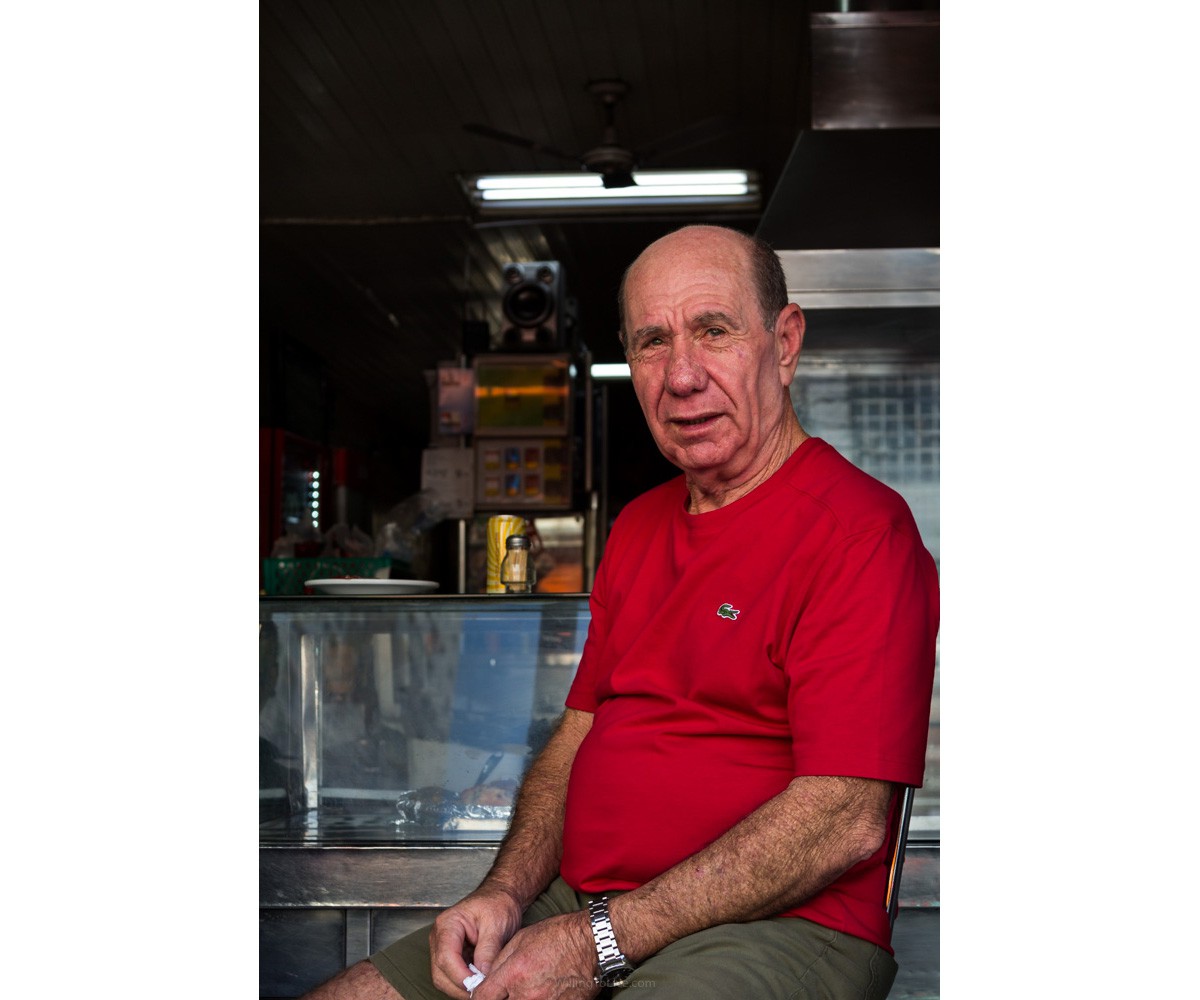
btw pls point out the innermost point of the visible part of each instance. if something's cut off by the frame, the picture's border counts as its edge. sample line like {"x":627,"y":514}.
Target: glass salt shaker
{"x":516,"y":572}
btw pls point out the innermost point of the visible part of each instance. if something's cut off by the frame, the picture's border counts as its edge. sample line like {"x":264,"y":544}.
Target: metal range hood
{"x":866,"y":174}
{"x":902,"y":278}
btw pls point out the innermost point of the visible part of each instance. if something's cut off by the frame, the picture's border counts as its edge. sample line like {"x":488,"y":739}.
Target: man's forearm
{"x":530,"y":854}
{"x":781,"y":854}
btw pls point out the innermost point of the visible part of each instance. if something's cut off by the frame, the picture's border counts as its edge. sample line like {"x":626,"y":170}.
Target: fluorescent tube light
{"x":653,"y":190}
{"x":607,"y":371}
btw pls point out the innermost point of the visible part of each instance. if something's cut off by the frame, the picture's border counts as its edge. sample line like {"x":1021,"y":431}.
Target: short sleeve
{"x":860,"y":662}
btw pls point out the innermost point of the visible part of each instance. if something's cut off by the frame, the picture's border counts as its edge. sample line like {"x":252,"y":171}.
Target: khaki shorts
{"x":785,"y":957}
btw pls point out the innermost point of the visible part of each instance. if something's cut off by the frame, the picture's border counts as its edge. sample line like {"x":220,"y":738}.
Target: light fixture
{"x":499,"y":195}
{"x":609,"y":372}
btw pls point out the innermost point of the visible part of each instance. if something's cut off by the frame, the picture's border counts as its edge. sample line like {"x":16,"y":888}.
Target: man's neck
{"x":711,"y":493}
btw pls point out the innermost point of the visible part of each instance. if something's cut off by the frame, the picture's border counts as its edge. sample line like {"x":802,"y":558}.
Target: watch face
{"x":615,"y":976}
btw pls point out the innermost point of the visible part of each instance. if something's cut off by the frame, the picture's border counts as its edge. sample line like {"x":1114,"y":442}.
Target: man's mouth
{"x":694,"y":421}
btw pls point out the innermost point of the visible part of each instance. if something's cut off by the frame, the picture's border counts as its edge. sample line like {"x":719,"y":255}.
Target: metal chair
{"x":896,"y":863}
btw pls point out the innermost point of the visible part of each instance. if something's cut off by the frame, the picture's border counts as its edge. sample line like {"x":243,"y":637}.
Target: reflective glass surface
{"x":406,"y":719}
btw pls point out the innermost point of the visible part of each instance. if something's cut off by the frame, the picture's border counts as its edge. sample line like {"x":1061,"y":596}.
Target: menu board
{"x":514,"y":473}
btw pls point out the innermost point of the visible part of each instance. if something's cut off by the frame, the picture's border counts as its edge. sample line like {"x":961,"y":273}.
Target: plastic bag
{"x":404,"y":536}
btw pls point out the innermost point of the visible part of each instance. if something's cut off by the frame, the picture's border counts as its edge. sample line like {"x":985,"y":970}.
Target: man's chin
{"x":700,"y":459}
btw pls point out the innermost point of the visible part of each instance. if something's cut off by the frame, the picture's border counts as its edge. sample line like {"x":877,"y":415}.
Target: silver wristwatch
{"x":613,"y":968}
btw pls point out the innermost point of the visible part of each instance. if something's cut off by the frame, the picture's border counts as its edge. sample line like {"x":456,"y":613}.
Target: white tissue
{"x":472,"y":981}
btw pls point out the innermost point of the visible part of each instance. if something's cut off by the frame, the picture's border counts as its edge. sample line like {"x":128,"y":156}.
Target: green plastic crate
{"x":282,"y":577}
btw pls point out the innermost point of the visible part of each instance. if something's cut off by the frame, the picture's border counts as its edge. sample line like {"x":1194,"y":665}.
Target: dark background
{"x":370,"y":262}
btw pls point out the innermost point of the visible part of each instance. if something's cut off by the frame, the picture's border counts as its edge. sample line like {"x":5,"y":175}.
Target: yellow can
{"x":498,"y":530}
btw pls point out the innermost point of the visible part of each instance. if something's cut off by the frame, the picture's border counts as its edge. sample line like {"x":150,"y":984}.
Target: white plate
{"x":368,"y":587}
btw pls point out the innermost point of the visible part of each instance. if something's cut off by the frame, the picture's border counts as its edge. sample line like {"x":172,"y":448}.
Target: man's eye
{"x":714,"y":331}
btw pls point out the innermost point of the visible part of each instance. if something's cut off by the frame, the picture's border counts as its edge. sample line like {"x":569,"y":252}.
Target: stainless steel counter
{"x":324,"y":908}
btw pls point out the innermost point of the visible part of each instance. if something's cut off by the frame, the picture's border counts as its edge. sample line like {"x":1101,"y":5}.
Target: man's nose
{"x":685,"y":373}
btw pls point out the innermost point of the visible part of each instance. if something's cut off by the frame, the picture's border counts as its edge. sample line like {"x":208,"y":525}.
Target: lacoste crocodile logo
{"x":728,"y":611}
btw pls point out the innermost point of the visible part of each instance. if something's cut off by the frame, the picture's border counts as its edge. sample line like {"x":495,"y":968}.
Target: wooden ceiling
{"x":370,"y":261}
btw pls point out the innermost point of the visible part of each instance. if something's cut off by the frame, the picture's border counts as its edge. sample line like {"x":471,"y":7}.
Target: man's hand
{"x":476,"y":927}
{"x":553,"y":959}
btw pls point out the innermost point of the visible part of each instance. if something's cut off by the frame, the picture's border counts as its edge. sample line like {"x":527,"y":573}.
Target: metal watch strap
{"x":607,"y":951}
{"x":602,"y":931}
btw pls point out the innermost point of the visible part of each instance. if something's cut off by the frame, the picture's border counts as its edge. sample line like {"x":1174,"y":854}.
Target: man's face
{"x":706,"y":372}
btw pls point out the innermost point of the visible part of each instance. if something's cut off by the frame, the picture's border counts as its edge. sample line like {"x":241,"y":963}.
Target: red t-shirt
{"x":789,"y":633}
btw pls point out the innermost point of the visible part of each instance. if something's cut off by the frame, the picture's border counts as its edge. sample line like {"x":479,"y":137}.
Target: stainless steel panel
{"x":298,"y":950}
{"x":396,"y":922}
{"x":849,"y":279}
{"x":358,"y":936}
{"x":368,"y":876}
{"x":921,"y":881}
{"x":916,"y":939}
{"x":437,"y":877}
{"x":875,"y":69}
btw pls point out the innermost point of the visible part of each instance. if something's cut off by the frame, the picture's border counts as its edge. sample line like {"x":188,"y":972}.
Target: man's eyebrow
{"x":713,"y":318}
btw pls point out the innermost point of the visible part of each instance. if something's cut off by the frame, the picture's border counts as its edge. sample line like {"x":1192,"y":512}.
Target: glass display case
{"x":393,"y":733}
{"x":405,"y":720}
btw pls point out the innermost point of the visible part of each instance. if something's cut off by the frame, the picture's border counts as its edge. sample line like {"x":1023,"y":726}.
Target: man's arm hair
{"x":784,"y":852}
{"x":531,"y":851}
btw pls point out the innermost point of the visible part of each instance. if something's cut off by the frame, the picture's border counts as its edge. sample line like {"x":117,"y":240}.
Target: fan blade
{"x":689,"y":137}
{"x":494,"y":133}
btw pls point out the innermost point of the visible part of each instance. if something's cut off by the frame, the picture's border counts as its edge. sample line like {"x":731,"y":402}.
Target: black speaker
{"x":534,"y":307}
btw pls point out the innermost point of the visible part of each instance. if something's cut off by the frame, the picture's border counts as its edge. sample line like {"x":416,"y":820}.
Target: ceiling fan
{"x":613,"y":162}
